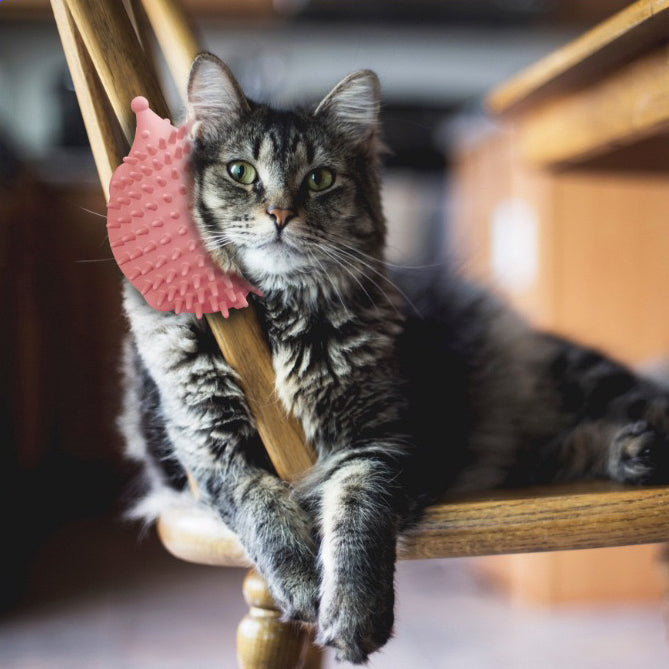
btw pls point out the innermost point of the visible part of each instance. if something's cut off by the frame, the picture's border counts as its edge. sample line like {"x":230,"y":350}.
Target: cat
{"x":399,"y":407}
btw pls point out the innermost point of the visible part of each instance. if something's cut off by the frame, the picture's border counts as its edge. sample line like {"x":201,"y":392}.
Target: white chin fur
{"x":275,"y":260}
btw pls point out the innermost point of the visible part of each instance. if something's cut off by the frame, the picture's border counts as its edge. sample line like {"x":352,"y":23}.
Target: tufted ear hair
{"x":214,"y":96}
{"x":353,"y":105}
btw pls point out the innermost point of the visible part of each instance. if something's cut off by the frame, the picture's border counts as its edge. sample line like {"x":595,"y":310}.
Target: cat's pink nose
{"x":280,"y":217}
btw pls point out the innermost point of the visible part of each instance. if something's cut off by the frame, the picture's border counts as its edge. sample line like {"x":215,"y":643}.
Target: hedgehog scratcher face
{"x":151,"y":230}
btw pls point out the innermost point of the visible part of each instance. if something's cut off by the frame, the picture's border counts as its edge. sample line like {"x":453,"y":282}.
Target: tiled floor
{"x":100,"y":600}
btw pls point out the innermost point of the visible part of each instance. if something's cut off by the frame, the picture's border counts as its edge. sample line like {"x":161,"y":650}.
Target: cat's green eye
{"x":242,"y":172}
{"x":320,"y":179}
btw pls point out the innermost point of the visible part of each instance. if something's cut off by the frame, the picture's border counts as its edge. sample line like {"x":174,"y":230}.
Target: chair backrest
{"x":109,"y":67}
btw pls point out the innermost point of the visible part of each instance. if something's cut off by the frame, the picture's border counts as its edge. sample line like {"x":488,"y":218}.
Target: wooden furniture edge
{"x":584,"y":59}
{"x":625,"y":106}
{"x":192,"y":535}
{"x":176,"y":36}
{"x":107,"y":142}
{"x":492,"y":523}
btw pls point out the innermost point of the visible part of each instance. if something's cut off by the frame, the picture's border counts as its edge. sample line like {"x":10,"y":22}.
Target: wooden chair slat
{"x":567,"y":517}
{"x":101,"y":37}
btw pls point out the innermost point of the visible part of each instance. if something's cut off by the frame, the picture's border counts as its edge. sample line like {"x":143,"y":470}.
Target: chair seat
{"x":584,"y":515}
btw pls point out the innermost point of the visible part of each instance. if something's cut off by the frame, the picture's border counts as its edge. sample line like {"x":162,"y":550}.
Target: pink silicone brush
{"x":151,"y":231}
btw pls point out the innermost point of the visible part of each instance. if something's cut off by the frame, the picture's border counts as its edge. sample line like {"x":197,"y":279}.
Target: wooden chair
{"x":109,"y":66}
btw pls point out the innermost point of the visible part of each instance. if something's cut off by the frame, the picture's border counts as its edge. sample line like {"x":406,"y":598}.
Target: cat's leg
{"x":623,"y":427}
{"x":635,"y":452}
{"x":639,"y":453}
{"x":274,"y":530}
{"x":213,"y":436}
{"x":358,"y":524}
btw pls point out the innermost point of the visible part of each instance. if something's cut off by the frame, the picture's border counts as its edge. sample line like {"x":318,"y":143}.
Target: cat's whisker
{"x":213,"y":246}
{"x":388,"y":280}
{"x":382,"y":275}
{"x":214,"y":242}
{"x":342,"y":242}
{"x":90,"y":211}
{"x":323,"y":236}
{"x":216,"y":235}
{"x":392,"y":303}
{"x":381,"y":261}
{"x":344,"y":260}
{"x":335,"y":288}
{"x":340,"y":263}
{"x":329,"y":278}
{"x":347,"y":266}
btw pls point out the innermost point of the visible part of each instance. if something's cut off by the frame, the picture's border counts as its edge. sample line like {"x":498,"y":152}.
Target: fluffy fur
{"x":398,"y":409}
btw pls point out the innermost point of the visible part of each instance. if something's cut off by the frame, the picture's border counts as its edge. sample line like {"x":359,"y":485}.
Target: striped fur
{"x":399,"y":409}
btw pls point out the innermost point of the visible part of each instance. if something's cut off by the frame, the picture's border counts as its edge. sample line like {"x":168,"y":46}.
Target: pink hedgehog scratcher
{"x":151,"y":231}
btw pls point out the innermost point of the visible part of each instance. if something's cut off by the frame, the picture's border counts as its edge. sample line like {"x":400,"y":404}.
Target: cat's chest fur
{"x":308,"y":355}
{"x":322,"y":353}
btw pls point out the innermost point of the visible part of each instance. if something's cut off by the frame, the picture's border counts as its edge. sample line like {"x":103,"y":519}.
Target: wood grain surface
{"x":264,"y":640}
{"x":603,"y":92}
{"x":118,"y":58}
{"x":628,"y":105}
{"x":178,"y":41}
{"x":593,"y":515}
{"x":564,"y":518}
{"x":638,"y":28}
{"x":107,"y":141}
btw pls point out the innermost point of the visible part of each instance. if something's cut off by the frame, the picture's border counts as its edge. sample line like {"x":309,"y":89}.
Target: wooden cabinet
{"x":592,"y":245}
{"x":566,"y":213}
{"x":599,"y":274}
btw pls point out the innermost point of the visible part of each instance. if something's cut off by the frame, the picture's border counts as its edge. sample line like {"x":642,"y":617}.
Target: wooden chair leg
{"x":264,"y":641}
{"x":313,"y":654}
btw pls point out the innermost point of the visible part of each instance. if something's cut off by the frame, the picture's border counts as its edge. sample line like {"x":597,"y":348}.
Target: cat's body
{"x":397,"y":410}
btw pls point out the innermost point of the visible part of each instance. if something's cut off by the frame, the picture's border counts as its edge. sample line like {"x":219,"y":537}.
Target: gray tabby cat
{"x":398,"y":409}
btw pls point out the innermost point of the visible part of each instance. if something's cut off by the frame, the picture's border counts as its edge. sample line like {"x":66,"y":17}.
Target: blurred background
{"x":83,"y":588}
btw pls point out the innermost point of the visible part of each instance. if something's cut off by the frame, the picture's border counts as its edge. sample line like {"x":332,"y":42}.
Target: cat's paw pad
{"x":640,"y":454}
{"x":354,"y":635}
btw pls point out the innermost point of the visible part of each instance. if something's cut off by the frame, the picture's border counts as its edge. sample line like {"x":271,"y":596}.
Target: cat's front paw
{"x":640,"y":455}
{"x":296,"y":594}
{"x":356,"y":628}
{"x":292,"y":578}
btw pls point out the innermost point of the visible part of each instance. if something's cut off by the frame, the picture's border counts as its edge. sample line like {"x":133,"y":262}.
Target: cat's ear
{"x":214,"y":96}
{"x":353,"y":105}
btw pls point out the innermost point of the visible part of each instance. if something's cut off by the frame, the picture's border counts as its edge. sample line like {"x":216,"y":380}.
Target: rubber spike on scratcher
{"x":151,"y":231}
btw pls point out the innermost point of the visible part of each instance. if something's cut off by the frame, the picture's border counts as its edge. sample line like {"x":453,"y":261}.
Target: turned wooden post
{"x":264,"y":641}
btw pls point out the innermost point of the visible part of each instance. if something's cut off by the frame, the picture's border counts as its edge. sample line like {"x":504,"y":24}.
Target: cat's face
{"x":285,"y":193}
